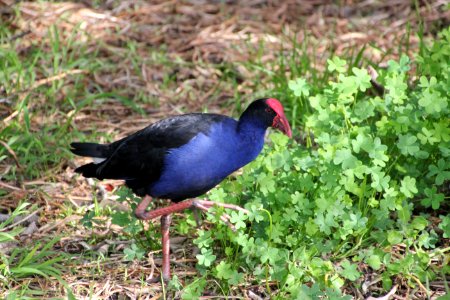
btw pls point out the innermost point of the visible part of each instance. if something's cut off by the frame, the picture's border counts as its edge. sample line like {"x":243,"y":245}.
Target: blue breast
{"x":206,"y":160}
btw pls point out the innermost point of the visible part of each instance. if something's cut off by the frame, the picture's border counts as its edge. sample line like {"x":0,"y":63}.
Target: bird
{"x":182,"y":157}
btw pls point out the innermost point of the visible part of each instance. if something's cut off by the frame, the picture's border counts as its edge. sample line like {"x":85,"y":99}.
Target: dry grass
{"x":203,"y":34}
{"x":193,"y":41}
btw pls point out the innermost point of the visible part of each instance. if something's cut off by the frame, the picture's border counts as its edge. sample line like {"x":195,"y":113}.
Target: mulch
{"x":197,"y":37}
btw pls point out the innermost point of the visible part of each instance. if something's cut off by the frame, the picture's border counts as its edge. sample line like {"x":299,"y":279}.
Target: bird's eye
{"x":268,"y":109}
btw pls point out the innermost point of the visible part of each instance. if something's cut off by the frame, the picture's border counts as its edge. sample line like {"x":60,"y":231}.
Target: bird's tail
{"x":97,"y":151}
{"x":90,"y":149}
{"x":88,"y":170}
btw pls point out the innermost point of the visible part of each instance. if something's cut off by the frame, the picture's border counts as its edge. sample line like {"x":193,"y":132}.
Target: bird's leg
{"x":143,"y":214}
{"x":165,"y":225}
{"x":140,"y":211}
{"x":204,"y":205}
{"x":166,"y":218}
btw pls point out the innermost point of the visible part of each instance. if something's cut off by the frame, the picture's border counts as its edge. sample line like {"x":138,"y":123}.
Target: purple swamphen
{"x":183,"y":157}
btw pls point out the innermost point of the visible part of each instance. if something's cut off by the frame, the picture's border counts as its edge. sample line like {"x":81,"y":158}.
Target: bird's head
{"x":271,"y":112}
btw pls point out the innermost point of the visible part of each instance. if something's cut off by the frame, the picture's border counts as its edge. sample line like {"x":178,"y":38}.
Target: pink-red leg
{"x":165,"y":225}
{"x":143,"y":214}
{"x":166,"y":218}
{"x":204,"y":205}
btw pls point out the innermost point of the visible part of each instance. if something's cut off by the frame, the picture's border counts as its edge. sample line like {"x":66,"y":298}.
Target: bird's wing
{"x":140,"y":156}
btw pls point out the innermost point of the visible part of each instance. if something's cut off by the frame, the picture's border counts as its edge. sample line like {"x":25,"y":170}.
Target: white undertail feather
{"x":98,"y":160}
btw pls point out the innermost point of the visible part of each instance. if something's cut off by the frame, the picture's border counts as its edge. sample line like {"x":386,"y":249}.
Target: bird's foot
{"x":209,"y":204}
{"x":205,"y":205}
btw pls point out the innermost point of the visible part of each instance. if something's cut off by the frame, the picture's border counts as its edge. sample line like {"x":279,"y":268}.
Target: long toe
{"x":208,"y":203}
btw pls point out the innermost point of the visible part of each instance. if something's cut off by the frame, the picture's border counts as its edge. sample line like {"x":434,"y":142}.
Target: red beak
{"x":280,"y":122}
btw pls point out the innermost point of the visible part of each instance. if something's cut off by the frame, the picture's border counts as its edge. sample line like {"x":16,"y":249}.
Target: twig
{"x":19,"y":35}
{"x":11,"y":151}
{"x":56,"y":77}
{"x":50,"y":226}
{"x":11,"y":187}
{"x":152,"y":266}
{"x":22,"y":220}
{"x":10,"y":117}
{"x":439,"y":252}
{"x":253,"y":296}
{"x":387,"y":296}
{"x":420,"y":285}
{"x":50,"y":79}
